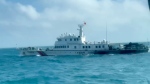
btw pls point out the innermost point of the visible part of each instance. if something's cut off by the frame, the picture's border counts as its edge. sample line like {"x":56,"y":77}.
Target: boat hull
{"x":56,"y":52}
{"x":132,"y":51}
{"x":121,"y":51}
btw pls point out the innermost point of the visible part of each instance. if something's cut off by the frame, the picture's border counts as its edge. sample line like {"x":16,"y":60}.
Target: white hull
{"x":54,"y":53}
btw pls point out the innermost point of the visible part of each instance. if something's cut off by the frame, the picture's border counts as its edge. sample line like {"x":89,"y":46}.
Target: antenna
{"x":147,"y":42}
{"x":106,"y":30}
{"x":149,"y":4}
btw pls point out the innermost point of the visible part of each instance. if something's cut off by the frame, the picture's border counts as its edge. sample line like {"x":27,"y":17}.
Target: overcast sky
{"x":40,"y":22}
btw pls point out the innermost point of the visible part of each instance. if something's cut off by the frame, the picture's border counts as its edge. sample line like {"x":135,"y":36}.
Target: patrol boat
{"x":68,"y":44}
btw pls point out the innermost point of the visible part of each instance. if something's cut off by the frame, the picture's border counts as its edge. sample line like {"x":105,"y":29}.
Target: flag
{"x":84,"y":23}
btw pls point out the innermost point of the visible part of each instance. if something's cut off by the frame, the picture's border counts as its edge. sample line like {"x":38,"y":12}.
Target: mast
{"x":149,"y":4}
{"x":81,"y":29}
{"x":106,"y":31}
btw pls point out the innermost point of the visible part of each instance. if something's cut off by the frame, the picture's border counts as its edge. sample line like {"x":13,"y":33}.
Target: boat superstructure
{"x":69,"y":44}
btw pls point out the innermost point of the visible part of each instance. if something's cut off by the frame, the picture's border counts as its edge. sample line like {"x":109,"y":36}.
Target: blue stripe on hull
{"x":42,"y":53}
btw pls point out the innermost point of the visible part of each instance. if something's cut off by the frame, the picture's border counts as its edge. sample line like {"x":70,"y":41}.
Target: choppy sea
{"x":95,"y":69}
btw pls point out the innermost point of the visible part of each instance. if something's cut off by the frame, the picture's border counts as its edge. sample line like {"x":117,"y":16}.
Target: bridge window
{"x":65,"y":39}
{"x":75,"y":47}
{"x":74,"y":39}
{"x":70,"y":39}
{"x":103,"y":46}
{"x":89,"y":46}
{"x":95,"y":46}
{"x":86,"y":47}
{"x":83,"y":46}
{"x":77,"y":39}
{"x":59,"y":39}
{"x":67,"y":46}
{"x":99,"y":46}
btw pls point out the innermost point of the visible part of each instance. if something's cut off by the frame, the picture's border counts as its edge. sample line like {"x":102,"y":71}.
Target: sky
{"x":26,"y":23}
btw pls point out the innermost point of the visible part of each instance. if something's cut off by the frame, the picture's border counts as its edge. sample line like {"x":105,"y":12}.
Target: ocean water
{"x":96,"y":69}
